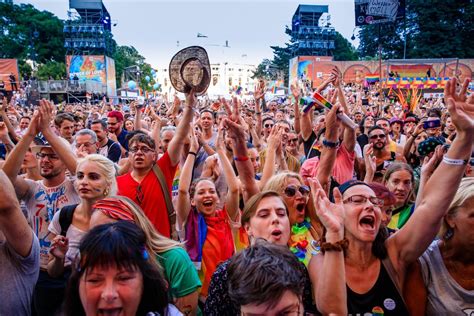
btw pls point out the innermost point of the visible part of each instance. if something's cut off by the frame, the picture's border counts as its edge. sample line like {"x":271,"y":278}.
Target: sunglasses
{"x":291,"y":190}
{"x":361,"y":199}
{"x":268,"y":125}
{"x":381,"y":136}
{"x":50,"y":156}
{"x":294,"y":140}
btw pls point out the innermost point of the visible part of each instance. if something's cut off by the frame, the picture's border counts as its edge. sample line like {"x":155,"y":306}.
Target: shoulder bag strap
{"x":169,"y":204}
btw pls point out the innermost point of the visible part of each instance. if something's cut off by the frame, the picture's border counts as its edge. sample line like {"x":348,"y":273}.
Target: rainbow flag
{"x":431,"y":83}
{"x":405,"y":83}
{"x":411,"y":71}
{"x":274,"y":89}
{"x":238,"y":90}
{"x":372,"y":78}
{"x":418,"y":83}
{"x":392,"y":83}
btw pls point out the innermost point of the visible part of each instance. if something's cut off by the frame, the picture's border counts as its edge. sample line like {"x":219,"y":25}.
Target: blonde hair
{"x":154,"y":240}
{"x":465,"y":191}
{"x":106,"y":167}
{"x":278,"y":183}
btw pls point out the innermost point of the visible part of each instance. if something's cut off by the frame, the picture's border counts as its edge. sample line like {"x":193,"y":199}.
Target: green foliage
{"x":434,"y":29}
{"x":126,"y":56}
{"x":27,"y":33}
{"x":51,"y":69}
{"x":344,"y":49}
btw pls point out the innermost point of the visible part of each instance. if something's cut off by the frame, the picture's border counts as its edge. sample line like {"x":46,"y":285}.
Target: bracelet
{"x":241,"y":158}
{"x":337,"y":246}
{"x":192,"y":153}
{"x":329,"y":144}
{"x":454,"y":162}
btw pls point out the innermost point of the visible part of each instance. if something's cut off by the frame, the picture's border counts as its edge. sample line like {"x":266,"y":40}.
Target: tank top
{"x":382,"y":299}
{"x":445,"y":295}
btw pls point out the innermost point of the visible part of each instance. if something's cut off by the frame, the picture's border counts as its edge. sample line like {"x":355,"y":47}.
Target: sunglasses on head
{"x":292,"y":189}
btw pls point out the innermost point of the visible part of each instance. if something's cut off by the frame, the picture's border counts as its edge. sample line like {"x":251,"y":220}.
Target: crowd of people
{"x":239,"y":207}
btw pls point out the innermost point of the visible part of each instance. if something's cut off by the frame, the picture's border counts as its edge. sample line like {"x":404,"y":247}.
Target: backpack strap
{"x":393,"y":276}
{"x":65,"y":217}
{"x":169,"y":204}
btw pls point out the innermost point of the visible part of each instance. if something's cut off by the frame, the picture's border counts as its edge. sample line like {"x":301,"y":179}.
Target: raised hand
{"x":193,"y":141}
{"x":331,"y":214}
{"x":220,"y":137}
{"x":369,"y":158}
{"x":295,"y":91}
{"x":46,"y":114}
{"x":429,"y":164}
{"x":460,"y":107}
{"x":274,"y":139}
{"x":59,"y":247}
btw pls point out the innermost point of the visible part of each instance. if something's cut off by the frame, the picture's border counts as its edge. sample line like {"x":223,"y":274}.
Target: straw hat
{"x":190,"y":68}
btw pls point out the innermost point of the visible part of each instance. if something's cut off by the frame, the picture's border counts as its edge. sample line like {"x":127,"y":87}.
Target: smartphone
{"x":365,"y":102}
{"x":431,"y":124}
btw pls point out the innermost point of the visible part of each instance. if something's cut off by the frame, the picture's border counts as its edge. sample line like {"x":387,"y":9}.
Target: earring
{"x":449,"y":233}
{"x":106,"y":191}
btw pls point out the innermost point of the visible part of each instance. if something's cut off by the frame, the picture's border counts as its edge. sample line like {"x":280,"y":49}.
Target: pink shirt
{"x":342,"y":171}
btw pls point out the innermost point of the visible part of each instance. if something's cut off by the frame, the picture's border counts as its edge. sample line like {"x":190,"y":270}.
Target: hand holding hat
{"x":190,"y":70}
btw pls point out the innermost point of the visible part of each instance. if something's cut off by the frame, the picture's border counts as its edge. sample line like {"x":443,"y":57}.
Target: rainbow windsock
{"x":239,"y":90}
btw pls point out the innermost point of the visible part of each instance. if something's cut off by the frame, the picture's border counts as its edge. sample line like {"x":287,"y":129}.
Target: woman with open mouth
{"x":305,"y":226}
{"x":265,"y":216}
{"x":205,"y":228}
{"x":114,"y":275}
{"x":362,"y":271}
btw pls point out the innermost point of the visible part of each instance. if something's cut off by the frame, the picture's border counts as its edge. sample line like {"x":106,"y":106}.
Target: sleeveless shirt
{"x":445,"y":295}
{"x":382,"y":299}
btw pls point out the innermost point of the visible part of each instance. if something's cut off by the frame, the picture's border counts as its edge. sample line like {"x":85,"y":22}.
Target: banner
{"x":378,"y":11}
{"x":111,"y":80}
{"x":87,"y":68}
{"x":7,"y":67}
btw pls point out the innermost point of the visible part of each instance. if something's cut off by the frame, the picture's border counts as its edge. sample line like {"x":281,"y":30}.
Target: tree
{"x":27,"y":33}
{"x":127,"y":56}
{"x":344,"y":49}
{"x":434,"y":29}
{"x":51,"y":69}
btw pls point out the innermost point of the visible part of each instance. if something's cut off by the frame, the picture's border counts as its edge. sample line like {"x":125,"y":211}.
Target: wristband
{"x":329,"y":144}
{"x":192,"y":153}
{"x":241,"y":158}
{"x":337,"y":246}
{"x":454,"y":162}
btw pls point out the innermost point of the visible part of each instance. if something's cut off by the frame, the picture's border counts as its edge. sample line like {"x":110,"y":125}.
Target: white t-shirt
{"x":42,"y":203}
{"x":74,"y":235}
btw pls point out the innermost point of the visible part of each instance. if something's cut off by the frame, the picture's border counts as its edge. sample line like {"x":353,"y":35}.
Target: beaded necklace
{"x":299,"y":240}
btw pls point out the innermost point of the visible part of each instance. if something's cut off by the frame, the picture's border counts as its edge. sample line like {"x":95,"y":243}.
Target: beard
{"x":50,"y":174}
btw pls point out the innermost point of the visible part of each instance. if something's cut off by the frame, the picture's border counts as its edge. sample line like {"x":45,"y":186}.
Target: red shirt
{"x":153,"y":201}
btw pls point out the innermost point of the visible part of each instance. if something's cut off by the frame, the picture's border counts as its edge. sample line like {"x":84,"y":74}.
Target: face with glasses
{"x":142,"y":155}
{"x":289,"y":304}
{"x":84,"y":143}
{"x":378,"y":138}
{"x":296,"y":196}
{"x":292,"y":142}
{"x":49,"y":163}
{"x":363,"y":213}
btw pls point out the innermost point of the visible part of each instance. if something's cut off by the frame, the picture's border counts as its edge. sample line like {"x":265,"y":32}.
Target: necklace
{"x":299,"y":241}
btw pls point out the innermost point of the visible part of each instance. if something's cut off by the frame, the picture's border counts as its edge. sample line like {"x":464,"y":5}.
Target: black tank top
{"x":382,"y":299}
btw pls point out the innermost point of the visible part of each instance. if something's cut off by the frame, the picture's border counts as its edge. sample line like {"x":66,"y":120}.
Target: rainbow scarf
{"x":196,"y":233}
{"x":400,"y":216}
